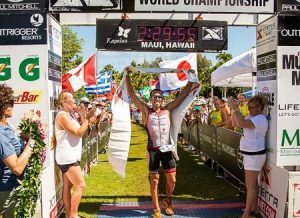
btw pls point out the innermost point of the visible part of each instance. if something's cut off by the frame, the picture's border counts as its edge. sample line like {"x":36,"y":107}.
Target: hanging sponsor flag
{"x":173,"y":81}
{"x":83,"y":74}
{"x":119,"y":141}
{"x":103,"y":83}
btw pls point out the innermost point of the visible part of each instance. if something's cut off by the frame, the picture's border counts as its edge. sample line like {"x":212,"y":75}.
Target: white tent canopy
{"x":237,"y":72}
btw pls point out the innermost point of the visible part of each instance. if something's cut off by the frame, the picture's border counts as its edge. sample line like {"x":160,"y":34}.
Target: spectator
{"x":252,"y":146}
{"x":14,"y":155}
{"x":203,"y":111}
{"x":227,"y":114}
{"x":69,"y":132}
{"x":243,"y":108}
{"x":217,"y":117}
{"x":85,"y":101}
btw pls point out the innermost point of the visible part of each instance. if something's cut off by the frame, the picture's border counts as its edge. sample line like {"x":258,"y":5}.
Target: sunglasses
{"x":157,"y":96}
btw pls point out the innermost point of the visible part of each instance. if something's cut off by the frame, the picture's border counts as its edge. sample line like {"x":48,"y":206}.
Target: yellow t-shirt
{"x":216,"y":117}
{"x":244,"y":110}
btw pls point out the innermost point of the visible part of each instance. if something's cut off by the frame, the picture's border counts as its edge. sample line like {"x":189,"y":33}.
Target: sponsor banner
{"x":269,"y":90}
{"x":266,"y":36}
{"x":54,"y":50}
{"x":288,"y":7}
{"x":227,"y":6}
{"x":8,"y":6}
{"x":294,"y":195}
{"x":288,"y":136}
{"x":222,"y":146}
{"x":289,"y":30}
{"x":23,"y":29}
{"x":161,"y":35}
{"x":272,"y":191}
{"x":266,"y":66}
{"x":90,"y":5}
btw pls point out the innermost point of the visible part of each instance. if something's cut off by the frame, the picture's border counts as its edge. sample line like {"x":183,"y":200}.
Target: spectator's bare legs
{"x":252,"y":192}
{"x":75,"y":176}
{"x":67,"y":185}
{"x":170,"y":186}
{"x":154,"y":180}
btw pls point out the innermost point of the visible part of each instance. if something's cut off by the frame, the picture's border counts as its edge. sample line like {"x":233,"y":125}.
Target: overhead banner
{"x":8,"y":6}
{"x":86,"y":5}
{"x":220,"y":6}
{"x":161,"y":35}
{"x":288,"y":7}
{"x":23,"y":29}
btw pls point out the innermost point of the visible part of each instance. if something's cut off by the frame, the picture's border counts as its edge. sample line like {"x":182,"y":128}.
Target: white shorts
{"x":254,"y":162}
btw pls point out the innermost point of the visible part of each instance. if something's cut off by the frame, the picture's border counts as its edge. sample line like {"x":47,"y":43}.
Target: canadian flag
{"x":172,"y":81}
{"x":83,"y":74}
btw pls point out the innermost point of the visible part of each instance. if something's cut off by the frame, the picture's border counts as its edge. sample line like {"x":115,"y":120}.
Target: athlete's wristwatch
{"x":31,"y":145}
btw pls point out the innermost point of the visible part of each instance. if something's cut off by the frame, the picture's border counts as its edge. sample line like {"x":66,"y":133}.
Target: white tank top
{"x":158,"y":129}
{"x":69,"y":147}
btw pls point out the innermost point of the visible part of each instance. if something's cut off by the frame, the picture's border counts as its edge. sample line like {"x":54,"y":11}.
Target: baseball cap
{"x":84,"y":100}
{"x":200,"y":102}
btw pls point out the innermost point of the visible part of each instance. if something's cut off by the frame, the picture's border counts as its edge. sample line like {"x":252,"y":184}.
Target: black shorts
{"x":167,"y":161}
{"x":64,"y":168}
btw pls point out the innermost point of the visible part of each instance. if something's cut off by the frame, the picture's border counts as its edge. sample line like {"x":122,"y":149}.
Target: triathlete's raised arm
{"x":135,"y":99}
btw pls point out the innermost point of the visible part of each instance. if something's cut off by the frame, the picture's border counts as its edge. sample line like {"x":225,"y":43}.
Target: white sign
{"x":272,"y":191}
{"x":223,"y":6}
{"x":266,"y":36}
{"x":294,"y":195}
{"x":288,"y":137}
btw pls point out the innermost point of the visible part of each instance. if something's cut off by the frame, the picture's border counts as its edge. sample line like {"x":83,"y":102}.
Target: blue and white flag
{"x":103,"y":83}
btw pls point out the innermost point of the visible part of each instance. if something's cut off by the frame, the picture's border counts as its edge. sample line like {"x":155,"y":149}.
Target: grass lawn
{"x":194,"y":180}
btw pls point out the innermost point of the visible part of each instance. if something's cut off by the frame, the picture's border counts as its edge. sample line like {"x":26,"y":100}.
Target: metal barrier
{"x":96,"y":137}
{"x":220,"y":145}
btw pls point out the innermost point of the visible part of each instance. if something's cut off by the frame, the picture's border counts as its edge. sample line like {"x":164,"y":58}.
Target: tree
{"x":72,"y":48}
{"x":204,"y":74}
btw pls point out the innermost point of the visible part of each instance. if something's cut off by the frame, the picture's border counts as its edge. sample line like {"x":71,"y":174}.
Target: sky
{"x":240,"y":39}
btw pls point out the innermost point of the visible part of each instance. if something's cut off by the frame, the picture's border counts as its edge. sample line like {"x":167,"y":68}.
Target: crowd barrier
{"x":218,"y":144}
{"x":95,"y":139}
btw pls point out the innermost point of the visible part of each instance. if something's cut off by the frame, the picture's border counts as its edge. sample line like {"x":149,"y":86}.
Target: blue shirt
{"x":10,"y":144}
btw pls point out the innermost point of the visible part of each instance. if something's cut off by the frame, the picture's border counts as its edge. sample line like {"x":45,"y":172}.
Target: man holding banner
{"x":161,"y":148}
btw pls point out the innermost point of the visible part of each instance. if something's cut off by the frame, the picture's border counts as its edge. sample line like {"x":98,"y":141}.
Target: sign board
{"x":272,"y":191}
{"x":225,"y":6}
{"x":23,"y":29}
{"x":289,"y":30}
{"x":86,"y":5}
{"x":161,"y":35}
{"x":288,"y":7}
{"x":294,"y":195}
{"x":288,"y":136}
{"x":19,"y":6}
{"x":25,"y":68}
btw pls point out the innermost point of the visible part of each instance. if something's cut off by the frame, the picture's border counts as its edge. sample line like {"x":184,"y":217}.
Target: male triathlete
{"x":157,"y":121}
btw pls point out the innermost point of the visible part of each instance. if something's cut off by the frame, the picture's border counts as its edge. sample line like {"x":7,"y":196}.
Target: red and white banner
{"x":83,"y":74}
{"x":173,"y":81}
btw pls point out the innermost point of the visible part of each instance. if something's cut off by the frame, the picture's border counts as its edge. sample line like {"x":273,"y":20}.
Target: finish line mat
{"x":199,"y":209}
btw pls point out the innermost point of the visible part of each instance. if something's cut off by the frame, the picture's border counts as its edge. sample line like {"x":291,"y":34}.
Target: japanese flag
{"x":172,"y":81}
